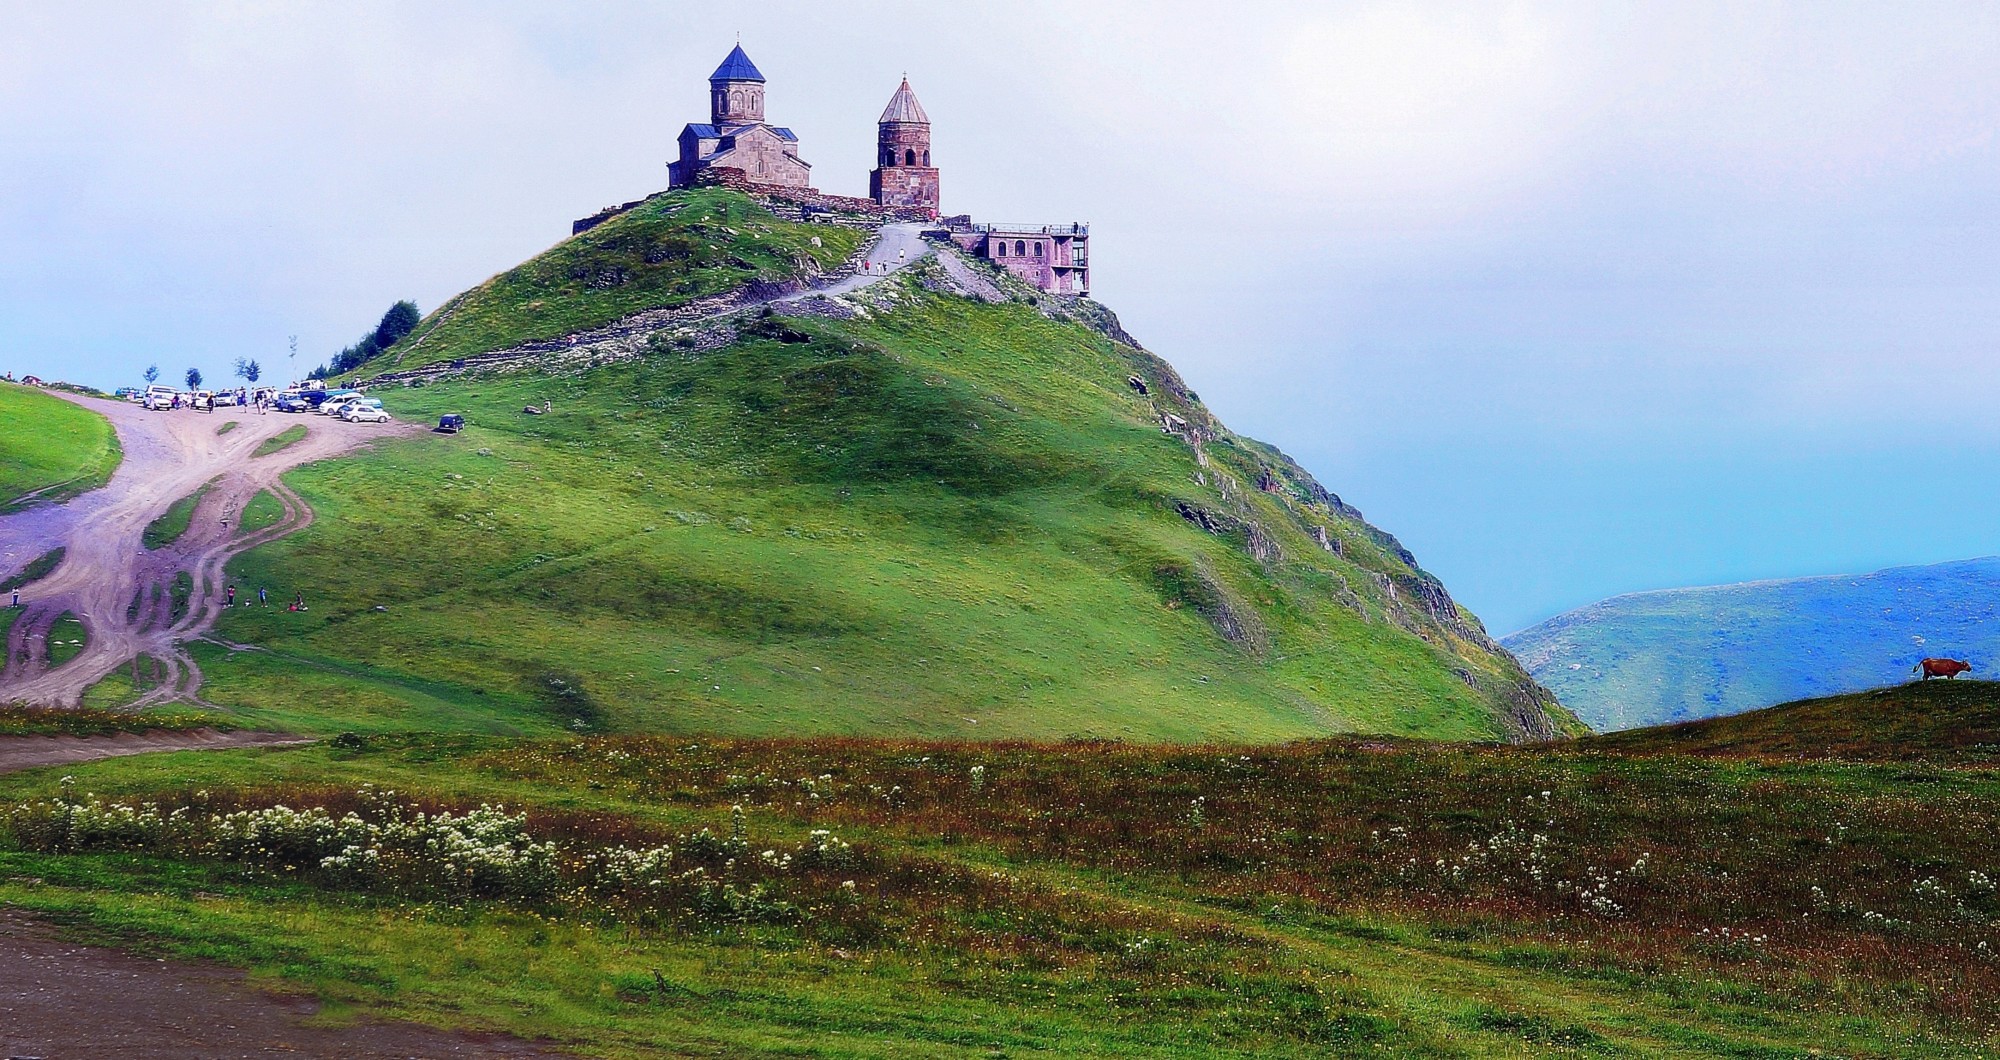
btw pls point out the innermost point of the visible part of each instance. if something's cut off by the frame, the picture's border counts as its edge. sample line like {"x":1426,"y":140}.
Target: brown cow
{"x":1946,"y":668}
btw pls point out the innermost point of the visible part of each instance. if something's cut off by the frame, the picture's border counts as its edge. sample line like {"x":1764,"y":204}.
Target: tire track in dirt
{"x":121,"y":591}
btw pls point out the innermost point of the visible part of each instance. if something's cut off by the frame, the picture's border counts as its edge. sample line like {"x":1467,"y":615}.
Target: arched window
{"x":1020,"y":248}
{"x":1003,"y":249}
{"x":927,"y":157}
{"x":909,"y":158}
{"x":1038,"y":250}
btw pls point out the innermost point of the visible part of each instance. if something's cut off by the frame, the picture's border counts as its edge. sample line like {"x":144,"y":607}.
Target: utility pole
{"x":294,"y":361}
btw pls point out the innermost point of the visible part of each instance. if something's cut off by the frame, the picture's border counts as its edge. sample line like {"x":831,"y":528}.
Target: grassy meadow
{"x":51,"y":449}
{"x":677,"y":896}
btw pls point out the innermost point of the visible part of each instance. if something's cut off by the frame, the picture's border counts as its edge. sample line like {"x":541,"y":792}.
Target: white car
{"x":359,"y":413}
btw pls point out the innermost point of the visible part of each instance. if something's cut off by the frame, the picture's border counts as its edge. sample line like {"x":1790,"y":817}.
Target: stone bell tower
{"x":903,"y":174}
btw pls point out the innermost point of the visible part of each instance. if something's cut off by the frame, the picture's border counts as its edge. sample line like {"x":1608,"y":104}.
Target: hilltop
{"x":941,"y":505}
{"x":1683,"y":654}
{"x":1954,"y":721}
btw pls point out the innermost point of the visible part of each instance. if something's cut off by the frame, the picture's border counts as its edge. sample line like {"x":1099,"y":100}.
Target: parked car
{"x":351,"y":404}
{"x":292,"y":403}
{"x":330,"y":404}
{"x":364,"y":414}
{"x":450,"y":424}
{"x":159,"y":397}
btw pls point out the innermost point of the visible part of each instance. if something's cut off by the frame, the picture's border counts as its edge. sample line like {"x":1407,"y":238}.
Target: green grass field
{"x":65,"y":639}
{"x":173,"y":522}
{"x":280,"y":440}
{"x":950,"y":520}
{"x":1088,"y":899}
{"x":263,"y":510}
{"x":51,"y":449}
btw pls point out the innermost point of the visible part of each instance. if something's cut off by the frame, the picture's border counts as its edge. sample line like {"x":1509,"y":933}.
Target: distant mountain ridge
{"x":1682,"y":654}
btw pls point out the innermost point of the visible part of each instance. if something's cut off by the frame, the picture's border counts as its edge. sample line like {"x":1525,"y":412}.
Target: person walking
{"x":17,"y":599}
{"x":232,"y":597}
{"x":263,"y":598}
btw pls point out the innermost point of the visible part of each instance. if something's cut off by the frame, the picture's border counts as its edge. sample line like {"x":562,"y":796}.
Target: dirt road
{"x":62,"y":1000}
{"x":122,"y":592}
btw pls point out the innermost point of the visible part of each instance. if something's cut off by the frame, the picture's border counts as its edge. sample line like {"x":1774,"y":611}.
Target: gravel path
{"x":118,"y":589}
{"x":63,"y":1001}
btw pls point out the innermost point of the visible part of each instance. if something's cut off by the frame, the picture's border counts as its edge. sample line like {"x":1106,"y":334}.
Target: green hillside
{"x":1683,"y":654}
{"x":50,"y":449}
{"x":911,"y":512}
{"x":670,"y":251}
{"x":1937,"y":721}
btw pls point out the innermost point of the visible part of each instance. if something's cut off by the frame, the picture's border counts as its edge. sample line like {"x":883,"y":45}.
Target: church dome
{"x":737,"y":67}
{"x":903,"y":107}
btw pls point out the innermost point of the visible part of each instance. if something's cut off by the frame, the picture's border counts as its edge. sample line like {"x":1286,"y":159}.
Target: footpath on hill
{"x":130,"y":600}
{"x":894,"y":248}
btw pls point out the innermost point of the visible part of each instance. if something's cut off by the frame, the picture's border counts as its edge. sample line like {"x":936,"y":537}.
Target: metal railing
{"x":1032,"y":230}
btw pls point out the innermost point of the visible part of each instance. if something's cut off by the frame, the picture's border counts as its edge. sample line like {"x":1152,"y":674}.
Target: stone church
{"x":736,"y":135}
{"x":736,"y":146}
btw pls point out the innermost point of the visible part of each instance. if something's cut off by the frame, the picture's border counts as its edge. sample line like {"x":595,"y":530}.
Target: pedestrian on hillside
{"x":232,"y":597}
{"x":262,"y":597}
{"x":299,"y":601}
{"x":17,"y":599}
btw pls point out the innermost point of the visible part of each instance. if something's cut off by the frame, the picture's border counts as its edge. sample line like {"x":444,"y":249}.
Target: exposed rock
{"x":1326,"y":541}
{"x":1262,"y":545}
{"x":1202,"y":517}
{"x":1137,"y":383}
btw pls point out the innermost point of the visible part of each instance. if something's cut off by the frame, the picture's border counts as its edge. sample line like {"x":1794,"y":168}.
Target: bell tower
{"x":736,"y":91}
{"x":903,"y":174}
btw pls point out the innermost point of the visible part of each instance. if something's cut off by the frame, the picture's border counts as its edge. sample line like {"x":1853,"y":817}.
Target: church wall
{"x":762,"y":158}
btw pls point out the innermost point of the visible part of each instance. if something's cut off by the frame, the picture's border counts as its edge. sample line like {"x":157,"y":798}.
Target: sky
{"x":1576,"y":299}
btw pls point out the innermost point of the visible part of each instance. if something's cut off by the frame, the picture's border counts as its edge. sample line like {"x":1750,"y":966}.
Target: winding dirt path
{"x":122,"y":592}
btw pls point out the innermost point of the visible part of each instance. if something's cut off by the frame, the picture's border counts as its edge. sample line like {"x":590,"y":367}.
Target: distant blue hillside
{"x":1681,"y":654}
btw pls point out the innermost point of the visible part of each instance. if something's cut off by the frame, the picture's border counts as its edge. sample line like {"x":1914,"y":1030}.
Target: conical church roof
{"x":903,"y":106}
{"x":737,"y":67}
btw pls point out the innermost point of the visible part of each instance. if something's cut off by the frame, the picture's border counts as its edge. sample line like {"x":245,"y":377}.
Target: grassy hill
{"x":1683,"y":654}
{"x":50,"y":448}
{"x":1930,"y":721}
{"x":1322,"y":898}
{"x":672,"y":250}
{"x":909,"y":512}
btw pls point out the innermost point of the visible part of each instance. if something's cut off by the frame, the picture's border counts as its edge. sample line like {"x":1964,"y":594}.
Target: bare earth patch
{"x":28,"y":752}
{"x":60,"y":1000}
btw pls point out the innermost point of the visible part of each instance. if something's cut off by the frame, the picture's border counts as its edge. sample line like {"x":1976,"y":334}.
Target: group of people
{"x":264,"y":599}
{"x":204,"y":402}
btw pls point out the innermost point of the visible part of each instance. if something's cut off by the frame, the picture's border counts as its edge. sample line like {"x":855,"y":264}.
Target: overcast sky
{"x":1576,"y":299}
